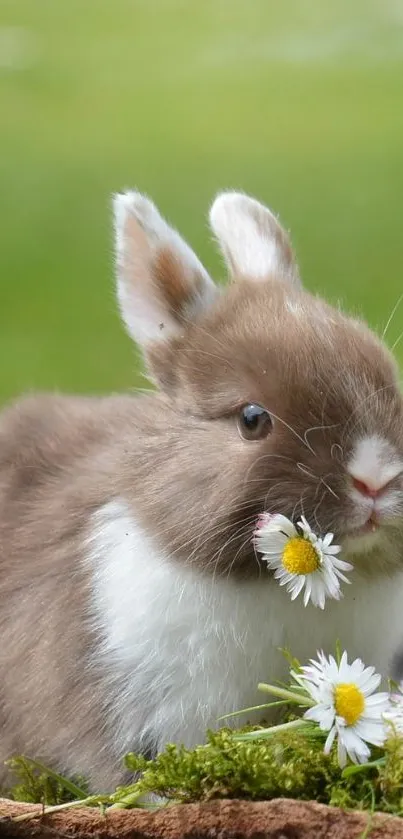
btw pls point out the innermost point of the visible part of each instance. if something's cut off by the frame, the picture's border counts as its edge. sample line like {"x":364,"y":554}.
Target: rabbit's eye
{"x":254,"y":422}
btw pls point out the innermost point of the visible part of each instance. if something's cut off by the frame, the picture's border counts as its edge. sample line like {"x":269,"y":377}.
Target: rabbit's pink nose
{"x":369,"y":490}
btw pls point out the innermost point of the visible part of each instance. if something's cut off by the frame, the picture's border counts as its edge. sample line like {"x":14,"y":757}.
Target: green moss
{"x":36,"y":783}
{"x":392,"y":775}
{"x":289,"y":764}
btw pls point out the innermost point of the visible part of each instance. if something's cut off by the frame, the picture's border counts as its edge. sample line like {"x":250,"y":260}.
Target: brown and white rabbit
{"x":133,"y":609}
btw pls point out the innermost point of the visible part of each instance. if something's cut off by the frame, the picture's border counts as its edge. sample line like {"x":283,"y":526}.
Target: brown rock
{"x":278,"y":819}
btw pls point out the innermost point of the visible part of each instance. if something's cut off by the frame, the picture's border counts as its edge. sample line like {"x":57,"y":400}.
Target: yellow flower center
{"x":299,"y":556}
{"x":349,"y":702}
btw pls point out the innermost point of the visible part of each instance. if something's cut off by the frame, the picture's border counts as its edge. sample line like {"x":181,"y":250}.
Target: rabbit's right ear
{"x":254,"y":243}
{"x":160,"y":282}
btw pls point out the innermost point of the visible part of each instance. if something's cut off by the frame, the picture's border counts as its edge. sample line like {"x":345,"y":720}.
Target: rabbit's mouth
{"x":370,"y":526}
{"x":375,"y":533}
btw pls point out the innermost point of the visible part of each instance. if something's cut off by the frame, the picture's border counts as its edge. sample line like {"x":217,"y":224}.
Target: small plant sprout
{"x":300,"y":559}
{"x":346,"y":705}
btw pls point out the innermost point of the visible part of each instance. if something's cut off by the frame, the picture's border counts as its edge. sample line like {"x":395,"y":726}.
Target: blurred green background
{"x":297,"y":102}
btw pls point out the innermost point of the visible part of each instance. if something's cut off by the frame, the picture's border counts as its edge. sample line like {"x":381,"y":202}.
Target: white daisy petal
{"x":373,"y":733}
{"x":341,"y":753}
{"x":270,"y":543}
{"x":281,"y":574}
{"x":393,"y":716}
{"x":370,"y":684}
{"x":378,"y":699}
{"x":322,"y":715}
{"x":341,"y":577}
{"x":327,"y":694}
{"x":332,"y":583}
{"x":303,"y":524}
{"x":359,"y":671}
{"x":297,"y":587}
{"x":274,"y":561}
{"x":346,"y":705}
{"x":308,"y":589}
{"x":278,"y":524}
{"x":339,"y":566}
{"x":330,"y":740}
{"x":344,"y":668}
{"x":355,"y":746}
{"x":282,"y":581}
{"x":315,"y":714}
{"x":315,"y":694}
{"x":318,"y":595}
{"x":331,"y":667}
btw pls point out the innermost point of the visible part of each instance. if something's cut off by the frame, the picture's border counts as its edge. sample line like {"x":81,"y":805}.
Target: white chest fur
{"x":180,"y":649}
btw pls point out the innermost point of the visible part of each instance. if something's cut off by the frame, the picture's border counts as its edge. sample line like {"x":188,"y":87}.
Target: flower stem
{"x":263,"y":733}
{"x":362,"y":767}
{"x":253,"y":708}
{"x":127,"y":802}
{"x":289,"y":695}
{"x":91,"y":801}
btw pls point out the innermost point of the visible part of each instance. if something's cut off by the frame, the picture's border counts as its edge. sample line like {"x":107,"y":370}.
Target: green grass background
{"x":298,"y":102}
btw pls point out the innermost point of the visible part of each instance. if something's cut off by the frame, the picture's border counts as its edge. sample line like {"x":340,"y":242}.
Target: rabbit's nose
{"x":370,"y":490}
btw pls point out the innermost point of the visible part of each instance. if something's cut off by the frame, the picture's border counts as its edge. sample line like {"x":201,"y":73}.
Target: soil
{"x":277,"y":819}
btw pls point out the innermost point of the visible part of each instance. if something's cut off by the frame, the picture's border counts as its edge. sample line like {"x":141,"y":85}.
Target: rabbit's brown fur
{"x":167,"y":480}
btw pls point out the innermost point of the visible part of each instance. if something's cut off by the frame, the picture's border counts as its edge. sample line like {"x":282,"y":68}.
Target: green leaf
{"x":349,"y":771}
{"x":254,"y":708}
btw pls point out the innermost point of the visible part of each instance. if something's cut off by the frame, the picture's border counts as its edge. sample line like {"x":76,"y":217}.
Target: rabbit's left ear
{"x":253,"y":242}
{"x":161,"y":284}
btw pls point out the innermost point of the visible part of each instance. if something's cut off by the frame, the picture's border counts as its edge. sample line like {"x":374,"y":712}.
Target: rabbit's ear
{"x":253,"y":242}
{"x":160,"y":281}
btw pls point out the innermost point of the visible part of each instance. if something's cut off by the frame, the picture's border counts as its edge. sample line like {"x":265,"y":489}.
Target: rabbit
{"x":134,"y":610}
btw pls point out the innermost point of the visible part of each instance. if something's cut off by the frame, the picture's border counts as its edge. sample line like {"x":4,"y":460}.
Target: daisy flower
{"x":300,"y":559}
{"x":346,"y":705}
{"x":394,"y":715}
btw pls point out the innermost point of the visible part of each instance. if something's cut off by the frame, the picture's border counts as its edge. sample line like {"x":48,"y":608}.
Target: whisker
{"x":290,"y":428}
{"x":319,"y":428}
{"x":221,"y":531}
{"x":305,"y":470}
{"x":263,"y":457}
{"x":393,"y":347}
{"x":359,"y":408}
{"x":391,"y":316}
{"x":237,"y":554}
{"x":317,"y":508}
{"x":332,"y":492}
{"x":215,"y":559}
{"x":300,"y":502}
{"x":279,"y":483}
{"x":336,"y":446}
